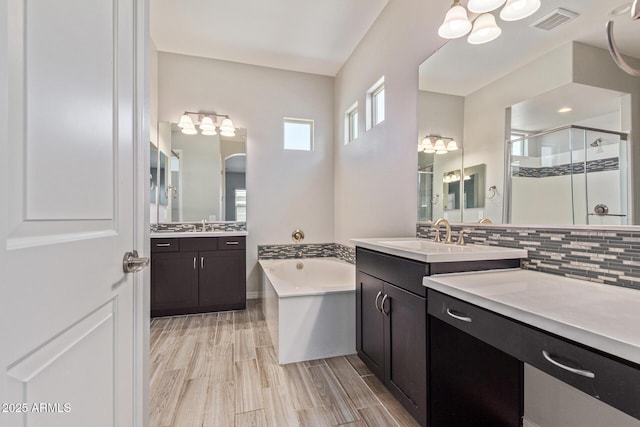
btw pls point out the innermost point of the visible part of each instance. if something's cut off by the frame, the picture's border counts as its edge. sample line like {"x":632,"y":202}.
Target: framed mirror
{"x":539,"y":111}
{"x":200,"y":177}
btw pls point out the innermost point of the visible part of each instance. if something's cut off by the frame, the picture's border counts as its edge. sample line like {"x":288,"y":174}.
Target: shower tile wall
{"x":600,"y":165}
{"x":609,"y":257}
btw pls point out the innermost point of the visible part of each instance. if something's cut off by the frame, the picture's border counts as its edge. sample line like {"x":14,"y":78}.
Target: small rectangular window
{"x":351,"y":124}
{"x":375,"y":104}
{"x":298,"y":134}
{"x":378,"y":105}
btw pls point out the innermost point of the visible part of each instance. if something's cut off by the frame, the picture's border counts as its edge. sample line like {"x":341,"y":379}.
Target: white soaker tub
{"x":309,"y":307}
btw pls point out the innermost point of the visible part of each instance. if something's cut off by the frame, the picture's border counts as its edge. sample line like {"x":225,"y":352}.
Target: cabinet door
{"x":222,"y":280}
{"x":370,"y":323}
{"x":471,"y":382}
{"x":405,"y":344}
{"x":174,"y":284}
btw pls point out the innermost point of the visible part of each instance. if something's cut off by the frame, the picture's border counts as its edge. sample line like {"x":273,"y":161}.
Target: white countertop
{"x":175,"y":234}
{"x":428,"y":251}
{"x":603,"y":317}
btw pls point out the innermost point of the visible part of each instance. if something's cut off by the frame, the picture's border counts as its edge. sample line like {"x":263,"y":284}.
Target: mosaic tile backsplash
{"x":308,"y":250}
{"x":187,"y":226}
{"x":609,"y":257}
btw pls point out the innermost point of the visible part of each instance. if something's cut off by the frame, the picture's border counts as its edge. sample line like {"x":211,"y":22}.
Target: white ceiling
{"x":308,"y":36}
{"x":459,"y":68}
{"x":541,"y":112}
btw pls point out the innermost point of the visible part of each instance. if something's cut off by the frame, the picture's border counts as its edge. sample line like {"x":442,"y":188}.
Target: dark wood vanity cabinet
{"x":391,"y":330}
{"x":476,"y":358}
{"x":197,"y":274}
{"x":392,"y":333}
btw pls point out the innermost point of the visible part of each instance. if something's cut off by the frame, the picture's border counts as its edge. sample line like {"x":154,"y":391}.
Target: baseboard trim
{"x":527,"y":423}
{"x":257,"y":295}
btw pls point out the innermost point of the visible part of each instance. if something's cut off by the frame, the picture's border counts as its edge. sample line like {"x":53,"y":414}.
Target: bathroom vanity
{"x":196,"y":272}
{"x":392,"y":332}
{"x":484,"y":326}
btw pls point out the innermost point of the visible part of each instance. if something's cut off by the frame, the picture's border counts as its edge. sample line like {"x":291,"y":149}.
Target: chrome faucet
{"x":447,"y":238}
{"x":204,"y":225}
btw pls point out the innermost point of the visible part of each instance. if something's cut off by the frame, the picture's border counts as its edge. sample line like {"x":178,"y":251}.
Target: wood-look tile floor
{"x":221,"y":369}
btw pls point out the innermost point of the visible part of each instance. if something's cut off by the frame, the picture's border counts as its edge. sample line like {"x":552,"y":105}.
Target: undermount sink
{"x":429,"y":251}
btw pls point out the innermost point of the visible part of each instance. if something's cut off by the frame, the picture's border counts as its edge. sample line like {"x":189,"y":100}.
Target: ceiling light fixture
{"x":565,"y":110}
{"x":437,"y":144}
{"x":484,"y":29}
{"x":207,"y":124}
{"x":456,"y":22}
{"x":516,"y":10}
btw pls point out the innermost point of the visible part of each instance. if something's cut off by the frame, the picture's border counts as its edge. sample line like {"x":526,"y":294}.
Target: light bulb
{"x":207,"y":125}
{"x":482,"y":6}
{"x":515,"y":10}
{"x":456,"y":23}
{"x":484,"y":30}
{"x":186,"y":122}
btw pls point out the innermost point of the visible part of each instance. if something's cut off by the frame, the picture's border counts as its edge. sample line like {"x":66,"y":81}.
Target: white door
{"x":70,"y":126}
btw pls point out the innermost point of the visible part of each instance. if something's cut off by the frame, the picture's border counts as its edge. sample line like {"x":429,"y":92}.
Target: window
{"x":520,"y":145}
{"x":298,"y":134}
{"x":378,"y":105}
{"x":241,"y":204}
{"x":351,"y":124}
{"x":375,"y":104}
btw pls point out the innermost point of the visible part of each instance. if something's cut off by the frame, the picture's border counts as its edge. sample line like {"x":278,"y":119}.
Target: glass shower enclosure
{"x":568,"y":175}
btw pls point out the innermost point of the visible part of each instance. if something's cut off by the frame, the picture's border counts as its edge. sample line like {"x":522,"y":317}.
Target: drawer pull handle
{"x":233,"y":243}
{"x":163,"y":245}
{"x":195,"y":259}
{"x":376,"y":302}
{"x":202,"y":262}
{"x":384,"y":298}
{"x":458,"y":316}
{"x":581,"y":372}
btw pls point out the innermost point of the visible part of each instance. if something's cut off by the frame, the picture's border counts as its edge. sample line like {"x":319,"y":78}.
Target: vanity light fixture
{"x":437,"y":144}
{"x":207,"y":124}
{"x":484,"y":29}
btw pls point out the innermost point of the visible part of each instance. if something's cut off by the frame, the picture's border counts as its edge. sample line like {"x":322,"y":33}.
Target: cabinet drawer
{"x":199,"y":243}
{"x":613,"y":381}
{"x":232,"y":242}
{"x":404,"y":273}
{"x":165,"y":245}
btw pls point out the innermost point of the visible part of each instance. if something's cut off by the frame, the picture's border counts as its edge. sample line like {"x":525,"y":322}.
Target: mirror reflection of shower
{"x":567,"y":175}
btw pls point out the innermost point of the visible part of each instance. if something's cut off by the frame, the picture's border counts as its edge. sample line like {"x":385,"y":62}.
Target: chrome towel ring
{"x":613,"y":49}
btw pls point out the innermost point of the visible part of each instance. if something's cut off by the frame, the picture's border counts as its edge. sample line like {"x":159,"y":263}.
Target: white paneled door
{"x":71,"y":127}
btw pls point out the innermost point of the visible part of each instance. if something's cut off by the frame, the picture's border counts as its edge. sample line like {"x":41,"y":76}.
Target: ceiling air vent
{"x":554,"y":19}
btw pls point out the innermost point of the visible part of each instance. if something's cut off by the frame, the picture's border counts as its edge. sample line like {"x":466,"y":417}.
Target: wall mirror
{"x":545,"y":115}
{"x":202,"y":177}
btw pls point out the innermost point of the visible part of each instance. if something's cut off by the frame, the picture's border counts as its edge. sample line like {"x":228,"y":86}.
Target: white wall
{"x":153,"y":93}
{"x":375,"y":175}
{"x":285,"y":189}
{"x":201,"y":175}
{"x":484,"y":128}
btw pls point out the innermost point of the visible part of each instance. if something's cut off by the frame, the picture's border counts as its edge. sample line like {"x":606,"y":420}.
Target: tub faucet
{"x":447,"y":238}
{"x":298,"y":254}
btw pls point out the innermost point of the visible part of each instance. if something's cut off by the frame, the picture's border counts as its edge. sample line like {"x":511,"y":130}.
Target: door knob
{"x":132,"y":263}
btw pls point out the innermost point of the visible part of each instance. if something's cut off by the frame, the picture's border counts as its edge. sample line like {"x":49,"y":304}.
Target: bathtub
{"x":309,"y":307}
